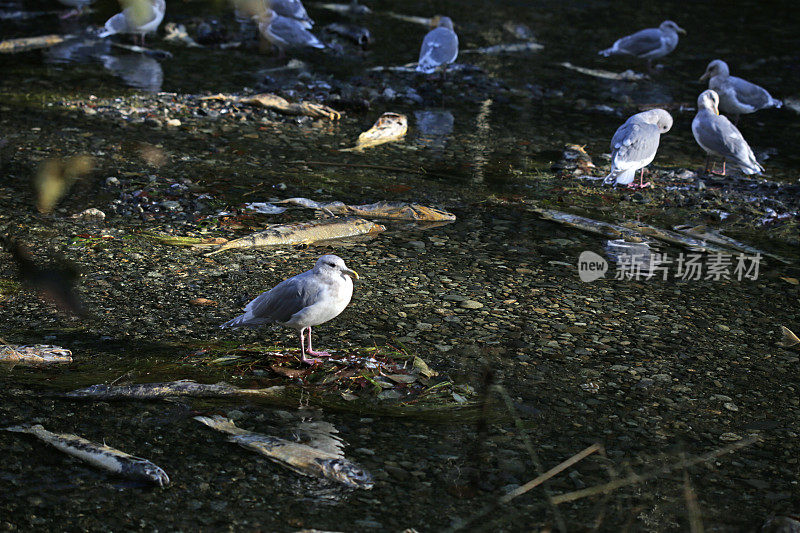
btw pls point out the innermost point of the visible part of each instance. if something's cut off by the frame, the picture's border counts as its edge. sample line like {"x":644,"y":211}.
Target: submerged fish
{"x":389,"y":127}
{"x":391,"y":210}
{"x":99,"y":455}
{"x":153,"y":391}
{"x":35,"y":354}
{"x":303,"y":233}
{"x":505,"y":48}
{"x":281,"y":105}
{"x":23,"y":44}
{"x":301,"y":458}
{"x":628,"y":75}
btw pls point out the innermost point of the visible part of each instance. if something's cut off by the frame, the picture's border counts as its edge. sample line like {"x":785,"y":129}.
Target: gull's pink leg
{"x":310,"y":350}
{"x":303,"y":352}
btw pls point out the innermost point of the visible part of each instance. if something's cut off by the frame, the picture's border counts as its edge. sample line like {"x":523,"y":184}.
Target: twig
{"x":420,"y":171}
{"x":583,"y":454}
{"x":692,"y":507}
{"x":562,"y":526}
{"x":528,"y":486}
{"x":638,"y":478}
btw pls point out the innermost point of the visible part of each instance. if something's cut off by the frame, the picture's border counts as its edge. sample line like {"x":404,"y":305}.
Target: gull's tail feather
{"x":114,"y":25}
{"x":607,"y":52}
{"x":621,"y":177}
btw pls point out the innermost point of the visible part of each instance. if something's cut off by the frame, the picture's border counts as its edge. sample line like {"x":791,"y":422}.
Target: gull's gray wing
{"x":285,"y":299}
{"x":290,"y":8}
{"x":634,"y":143}
{"x":750,"y":94}
{"x":717,"y":134}
{"x":640,"y":43}
{"x":293,"y":33}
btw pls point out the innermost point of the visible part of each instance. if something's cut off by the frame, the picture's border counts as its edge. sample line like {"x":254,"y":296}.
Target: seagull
{"x":736,"y":96}
{"x":285,"y":32}
{"x":139,"y":18}
{"x":439,"y":47}
{"x":719,"y":137}
{"x":308,"y":299}
{"x":648,"y":44}
{"x":634,"y":146}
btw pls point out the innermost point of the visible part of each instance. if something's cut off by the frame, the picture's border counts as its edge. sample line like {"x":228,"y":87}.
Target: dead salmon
{"x":383,"y":209}
{"x":303,"y":233}
{"x":23,"y":44}
{"x":35,"y":354}
{"x":281,"y":105}
{"x":171,"y":389}
{"x":389,"y":127}
{"x":298,"y":457}
{"x":98,"y":455}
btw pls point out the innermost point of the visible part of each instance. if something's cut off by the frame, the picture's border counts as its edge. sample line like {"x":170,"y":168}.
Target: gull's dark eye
{"x":331,"y":265}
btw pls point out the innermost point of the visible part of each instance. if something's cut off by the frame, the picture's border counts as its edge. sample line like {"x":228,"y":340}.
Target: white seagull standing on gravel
{"x":308,"y":299}
{"x":439,"y":47}
{"x":649,"y":44}
{"x":634,"y":146}
{"x":719,"y":137}
{"x":736,"y":96}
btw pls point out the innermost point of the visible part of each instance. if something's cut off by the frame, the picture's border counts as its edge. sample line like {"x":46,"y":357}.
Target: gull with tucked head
{"x":439,"y":47}
{"x":308,"y":299}
{"x":719,"y":137}
{"x":736,"y":96}
{"x":634,"y":146}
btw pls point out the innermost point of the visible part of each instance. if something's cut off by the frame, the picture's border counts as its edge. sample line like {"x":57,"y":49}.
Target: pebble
{"x":471,"y":304}
{"x":729,"y":437}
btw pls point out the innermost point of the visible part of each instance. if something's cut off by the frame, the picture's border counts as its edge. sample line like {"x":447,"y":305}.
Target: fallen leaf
{"x":203,"y":301}
{"x":402,"y":378}
{"x":423,"y":368}
{"x":789,"y":338}
{"x":290,"y":372}
{"x":793,"y":281}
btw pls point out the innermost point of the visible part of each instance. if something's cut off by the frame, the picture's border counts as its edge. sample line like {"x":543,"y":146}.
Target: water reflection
{"x":79,"y":50}
{"x":434,"y":127}
{"x":137,"y":70}
{"x":633,"y":258}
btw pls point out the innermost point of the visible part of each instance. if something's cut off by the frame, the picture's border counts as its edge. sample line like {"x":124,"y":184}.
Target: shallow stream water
{"x":655,"y":370}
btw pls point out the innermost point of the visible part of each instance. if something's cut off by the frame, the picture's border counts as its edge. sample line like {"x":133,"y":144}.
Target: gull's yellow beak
{"x":352,"y":273}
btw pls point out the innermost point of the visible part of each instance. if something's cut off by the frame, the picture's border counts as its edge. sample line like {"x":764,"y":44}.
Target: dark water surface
{"x":654,"y":370}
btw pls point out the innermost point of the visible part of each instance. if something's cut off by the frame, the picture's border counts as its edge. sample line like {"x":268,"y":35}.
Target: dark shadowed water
{"x":654,"y":370}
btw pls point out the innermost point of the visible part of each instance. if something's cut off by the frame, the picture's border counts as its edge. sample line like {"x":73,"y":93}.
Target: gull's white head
{"x":708,"y":100}
{"x":333,"y":265}
{"x":442,"y":22}
{"x":716,"y":68}
{"x":658,"y":117}
{"x":668,"y":25}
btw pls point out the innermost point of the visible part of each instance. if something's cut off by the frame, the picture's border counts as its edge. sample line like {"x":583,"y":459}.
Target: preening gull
{"x":308,"y":299}
{"x":648,"y":44}
{"x":439,"y":47}
{"x":719,"y":137}
{"x":139,"y":18}
{"x":285,"y":32}
{"x":634,"y":146}
{"x":736,"y":96}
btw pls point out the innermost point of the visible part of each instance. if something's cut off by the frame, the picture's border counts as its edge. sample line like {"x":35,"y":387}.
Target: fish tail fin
{"x":220,"y":423}
{"x":23,"y":428}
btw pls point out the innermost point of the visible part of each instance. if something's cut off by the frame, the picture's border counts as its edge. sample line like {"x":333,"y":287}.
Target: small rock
{"x":90,"y":215}
{"x":730,"y":406}
{"x":729,"y":437}
{"x":173,"y":122}
{"x":471,"y":304}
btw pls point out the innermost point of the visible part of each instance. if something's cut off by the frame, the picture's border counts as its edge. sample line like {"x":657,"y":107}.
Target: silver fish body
{"x":300,"y":458}
{"x":154,"y":391}
{"x":98,"y":455}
